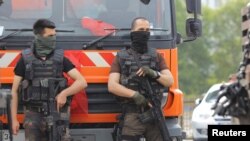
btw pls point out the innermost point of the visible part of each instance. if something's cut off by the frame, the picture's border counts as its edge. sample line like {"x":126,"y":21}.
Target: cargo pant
{"x":35,"y":127}
{"x":133,"y":127}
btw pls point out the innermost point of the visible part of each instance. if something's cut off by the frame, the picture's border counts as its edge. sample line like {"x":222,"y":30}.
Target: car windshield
{"x":212,"y":95}
{"x":86,"y":17}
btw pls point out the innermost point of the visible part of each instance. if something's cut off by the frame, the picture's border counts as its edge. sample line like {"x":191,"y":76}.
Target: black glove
{"x":139,"y":99}
{"x":150,"y":72}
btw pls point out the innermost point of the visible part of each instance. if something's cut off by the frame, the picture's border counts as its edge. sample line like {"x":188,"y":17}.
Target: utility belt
{"x":42,"y":106}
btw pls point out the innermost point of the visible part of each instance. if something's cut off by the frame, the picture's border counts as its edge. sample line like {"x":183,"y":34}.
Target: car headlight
{"x":201,"y":116}
{"x":204,"y":116}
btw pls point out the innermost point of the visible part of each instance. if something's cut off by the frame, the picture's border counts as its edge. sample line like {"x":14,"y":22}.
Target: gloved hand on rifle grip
{"x":149,"y":72}
{"x":139,"y":99}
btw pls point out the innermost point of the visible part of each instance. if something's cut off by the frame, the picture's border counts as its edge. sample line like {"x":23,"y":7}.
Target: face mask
{"x":140,"y":41}
{"x":44,"y":45}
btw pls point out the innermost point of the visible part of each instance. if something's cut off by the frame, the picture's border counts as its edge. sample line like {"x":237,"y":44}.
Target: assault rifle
{"x":156,"y":110}
{"x":231,"y":100}
{"x":54,"y":119}
{"x":234,"y":98}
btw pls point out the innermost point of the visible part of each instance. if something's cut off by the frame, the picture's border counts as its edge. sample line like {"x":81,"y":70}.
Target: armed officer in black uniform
{"x":124,"y":82}
{"x":37,"y":68}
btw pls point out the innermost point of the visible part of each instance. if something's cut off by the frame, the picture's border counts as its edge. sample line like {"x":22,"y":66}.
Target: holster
{"x":117,"y":132}
{"x":23,"y":90}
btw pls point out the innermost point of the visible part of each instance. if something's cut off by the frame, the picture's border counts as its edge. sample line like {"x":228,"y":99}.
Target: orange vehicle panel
{"x":95,"y":66}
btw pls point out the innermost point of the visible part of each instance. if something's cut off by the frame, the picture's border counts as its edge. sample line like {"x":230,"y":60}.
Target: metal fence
{"x":185,"y":119}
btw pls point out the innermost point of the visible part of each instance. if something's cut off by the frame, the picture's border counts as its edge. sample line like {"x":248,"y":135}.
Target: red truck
{"x":91,"y":32}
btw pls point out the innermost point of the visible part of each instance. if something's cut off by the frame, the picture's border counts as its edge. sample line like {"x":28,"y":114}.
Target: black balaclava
{"x":140,"y":41}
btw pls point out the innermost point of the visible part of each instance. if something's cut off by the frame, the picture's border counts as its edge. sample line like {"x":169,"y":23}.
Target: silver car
{"x":203,"y":114}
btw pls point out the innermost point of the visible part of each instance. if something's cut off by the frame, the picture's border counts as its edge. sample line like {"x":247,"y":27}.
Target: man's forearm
{"x":77,"y":86}
{"x":122,"y":91}
{"x":14,"y":93}
{"x":166,"y":78}
{"x":14,"y":103}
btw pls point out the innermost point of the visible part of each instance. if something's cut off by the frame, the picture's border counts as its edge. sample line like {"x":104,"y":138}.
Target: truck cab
{"x":91,"y":32}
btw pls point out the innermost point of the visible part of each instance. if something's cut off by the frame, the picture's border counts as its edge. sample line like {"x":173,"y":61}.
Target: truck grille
{"x":100,"y":100}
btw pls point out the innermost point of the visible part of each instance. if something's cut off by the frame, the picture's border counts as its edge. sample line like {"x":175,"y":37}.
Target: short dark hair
{"x":40,"y":24}
{"x":134,"y":21}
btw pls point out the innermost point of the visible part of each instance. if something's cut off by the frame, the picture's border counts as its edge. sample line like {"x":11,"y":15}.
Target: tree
{"x":214,"y":56}
{"x":227,"y":35}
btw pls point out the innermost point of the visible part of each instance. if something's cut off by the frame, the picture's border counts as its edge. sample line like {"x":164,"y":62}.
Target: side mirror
{"x":197,"y":101}
{"x":193,"y":27}
{"x":193,"y":6}
{"x":1,"y":2}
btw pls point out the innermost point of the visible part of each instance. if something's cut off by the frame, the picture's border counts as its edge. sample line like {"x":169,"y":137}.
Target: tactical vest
{"x":38,"y":73}
{"x":129,"y":67}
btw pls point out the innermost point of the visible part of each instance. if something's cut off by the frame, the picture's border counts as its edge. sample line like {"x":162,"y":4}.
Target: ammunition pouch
{"x":38,"y":89}
{"x":34,"y":90}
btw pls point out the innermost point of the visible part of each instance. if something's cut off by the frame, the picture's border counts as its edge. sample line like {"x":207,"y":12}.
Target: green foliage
{"x":217,"y":54}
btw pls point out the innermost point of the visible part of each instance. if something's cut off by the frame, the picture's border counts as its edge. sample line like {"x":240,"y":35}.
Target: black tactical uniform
{"x":126,"y":65}
{"x":34,"y":91}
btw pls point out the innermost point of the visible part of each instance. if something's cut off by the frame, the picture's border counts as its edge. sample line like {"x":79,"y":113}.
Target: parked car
{"x":203,"y":115}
